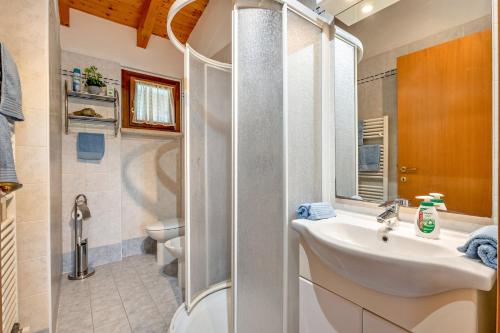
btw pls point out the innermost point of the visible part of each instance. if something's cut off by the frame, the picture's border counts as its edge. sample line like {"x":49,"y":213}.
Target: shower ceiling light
{"x":367,"y":8}
{"x":363,"y":9}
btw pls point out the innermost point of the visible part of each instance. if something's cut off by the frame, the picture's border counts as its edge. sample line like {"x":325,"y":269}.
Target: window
{"x":150,"y":102}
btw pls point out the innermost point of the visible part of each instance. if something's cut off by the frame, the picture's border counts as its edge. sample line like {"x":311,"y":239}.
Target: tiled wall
{"x":379,"y":97}
{"x":55,"y":128}
{"x":24,"y":29}
{"x":135,"y":184}
{"x":98,"y":180}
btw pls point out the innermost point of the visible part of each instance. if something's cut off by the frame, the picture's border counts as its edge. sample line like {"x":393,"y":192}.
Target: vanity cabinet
{"x":325,"y":312}
{"x":374,"y":324}
{"x":331,"y":303}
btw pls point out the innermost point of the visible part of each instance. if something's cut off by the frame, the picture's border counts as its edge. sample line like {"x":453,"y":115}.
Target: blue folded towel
{"x":90,"y":146}
{"x":482,"y":244}
{"x":316,"y":211}
{"x":369,"y":158}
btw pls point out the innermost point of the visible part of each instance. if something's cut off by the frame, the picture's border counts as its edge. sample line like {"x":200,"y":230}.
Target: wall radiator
{"x":374,"y":185}
{"x":8,"y":259}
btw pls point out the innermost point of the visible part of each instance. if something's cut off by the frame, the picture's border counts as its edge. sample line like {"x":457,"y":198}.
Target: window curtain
{"x":153,"y":104}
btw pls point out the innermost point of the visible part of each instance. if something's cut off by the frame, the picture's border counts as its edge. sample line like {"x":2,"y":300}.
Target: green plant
{"x":94,"y":78}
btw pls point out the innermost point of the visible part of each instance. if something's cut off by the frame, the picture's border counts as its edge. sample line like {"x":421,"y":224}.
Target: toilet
{"x":162,"y":231}
{"x":176,"y":248}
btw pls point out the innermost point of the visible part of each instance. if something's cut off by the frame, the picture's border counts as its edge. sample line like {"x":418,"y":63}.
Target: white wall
{"x":213,"y":31}
{"x":100,"y":38}
{"x":411,"y":20}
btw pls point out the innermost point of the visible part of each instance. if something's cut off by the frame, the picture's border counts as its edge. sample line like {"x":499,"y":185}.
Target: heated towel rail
{"x":8,"y":266}
{"x":374,"y":185}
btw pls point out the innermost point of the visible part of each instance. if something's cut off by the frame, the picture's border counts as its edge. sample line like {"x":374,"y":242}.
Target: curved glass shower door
{"x":208,"y":185}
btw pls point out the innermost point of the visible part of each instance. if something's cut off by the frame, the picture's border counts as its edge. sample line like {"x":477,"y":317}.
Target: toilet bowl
{"x":162,"y":231}
{"x":176,"y":248}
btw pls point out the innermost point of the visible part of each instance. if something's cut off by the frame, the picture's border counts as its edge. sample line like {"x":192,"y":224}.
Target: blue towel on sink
{"x":316,"y":211}
{"x":482,"y":244}
{"x":90,"y":146}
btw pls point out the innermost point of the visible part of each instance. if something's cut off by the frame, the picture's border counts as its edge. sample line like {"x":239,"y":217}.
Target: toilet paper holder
{"x":80,"y":213}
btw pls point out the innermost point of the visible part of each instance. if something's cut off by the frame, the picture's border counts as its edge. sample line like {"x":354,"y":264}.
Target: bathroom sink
{"x":405,"y":265}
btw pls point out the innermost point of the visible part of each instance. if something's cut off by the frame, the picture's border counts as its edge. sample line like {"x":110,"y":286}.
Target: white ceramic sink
{"x":405,"y":265}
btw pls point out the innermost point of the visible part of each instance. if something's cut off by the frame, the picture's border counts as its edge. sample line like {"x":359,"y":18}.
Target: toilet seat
{"x":166,"y":225}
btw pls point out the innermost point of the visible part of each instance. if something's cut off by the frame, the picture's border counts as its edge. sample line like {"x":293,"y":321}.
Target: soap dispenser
{"x":426,"y":219}
{"x":437,"y":198}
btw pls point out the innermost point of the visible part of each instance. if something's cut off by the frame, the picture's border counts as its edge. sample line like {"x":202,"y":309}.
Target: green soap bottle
{"x":427,"y":219}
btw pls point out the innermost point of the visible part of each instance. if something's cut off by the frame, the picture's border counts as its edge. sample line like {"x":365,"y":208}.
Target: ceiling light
{"x":367,"y":8}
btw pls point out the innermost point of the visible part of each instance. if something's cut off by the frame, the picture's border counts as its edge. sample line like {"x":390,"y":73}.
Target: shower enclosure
{"x":257,"y":144}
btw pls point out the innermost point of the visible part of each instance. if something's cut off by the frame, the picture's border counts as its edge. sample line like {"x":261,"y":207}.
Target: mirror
{"x":413,"y":102}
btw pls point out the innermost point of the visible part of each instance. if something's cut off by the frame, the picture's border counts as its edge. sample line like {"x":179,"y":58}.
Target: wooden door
{"x":445,"y":123}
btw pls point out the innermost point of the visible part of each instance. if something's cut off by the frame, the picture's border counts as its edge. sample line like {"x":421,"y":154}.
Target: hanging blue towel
{"x":10,"y":111}
{"x":482,"y":245}
{"x":315,"y":211}
{"x":90,"y":146}
{"x":361,"y":125}
{"x":369,"y":158}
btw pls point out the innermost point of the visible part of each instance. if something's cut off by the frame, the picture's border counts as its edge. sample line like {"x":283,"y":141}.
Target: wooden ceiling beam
{"x":147,"y":22}
{"x":64,"y":13}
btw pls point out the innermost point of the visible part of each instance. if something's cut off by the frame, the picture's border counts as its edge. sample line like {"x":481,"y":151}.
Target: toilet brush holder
{"x":82,"y":269}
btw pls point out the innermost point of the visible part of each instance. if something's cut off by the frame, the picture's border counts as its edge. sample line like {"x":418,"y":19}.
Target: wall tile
{"x":33,"y":277}
{"x":32,"y":240}
{"x":34,"y":312}
{"x":32,"y":202}
{"x":32,"y":164}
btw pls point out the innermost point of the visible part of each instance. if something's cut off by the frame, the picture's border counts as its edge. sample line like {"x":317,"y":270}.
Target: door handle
{"x":404,"y":169}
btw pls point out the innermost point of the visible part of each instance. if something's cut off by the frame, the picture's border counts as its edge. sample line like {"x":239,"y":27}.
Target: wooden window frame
{"x":127,"y":101}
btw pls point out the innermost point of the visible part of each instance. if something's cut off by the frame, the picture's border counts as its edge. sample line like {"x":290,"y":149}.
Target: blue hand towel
{"x":482,"y":244}
{"x":7,"y":165}
{"x":90,"y":146}
{"x":10,"y":111}
{"x":10,"y":89}
{"x":369,"y":158}
{"x":316,"y":211}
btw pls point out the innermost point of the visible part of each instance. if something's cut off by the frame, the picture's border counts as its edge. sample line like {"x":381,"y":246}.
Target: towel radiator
{"x":374,"y":185}
{"x":8,"y":265}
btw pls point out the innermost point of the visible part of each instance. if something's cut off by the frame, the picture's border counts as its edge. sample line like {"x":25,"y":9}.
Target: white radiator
{"x":374,"y":185}
{"x":8,"y":260}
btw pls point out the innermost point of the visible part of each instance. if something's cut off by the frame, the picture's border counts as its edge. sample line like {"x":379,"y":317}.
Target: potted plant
{"x":93,"y":80}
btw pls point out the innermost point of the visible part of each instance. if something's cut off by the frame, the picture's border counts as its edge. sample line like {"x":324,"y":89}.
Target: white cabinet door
{"x":374,"y":324}
{"x":324,"y":312}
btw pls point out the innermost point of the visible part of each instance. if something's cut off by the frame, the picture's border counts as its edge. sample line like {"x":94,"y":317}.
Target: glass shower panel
{"x":304,"y":135}
{"x":208,"y":128}
{"x":258,"y":282}
{"x":346,"y":127}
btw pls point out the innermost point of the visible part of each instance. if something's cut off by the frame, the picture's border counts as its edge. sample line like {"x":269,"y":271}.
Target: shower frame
{"x":326,"y":140}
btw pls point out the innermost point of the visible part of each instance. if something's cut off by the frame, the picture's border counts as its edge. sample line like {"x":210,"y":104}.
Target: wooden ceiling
{"x":147,"y":16}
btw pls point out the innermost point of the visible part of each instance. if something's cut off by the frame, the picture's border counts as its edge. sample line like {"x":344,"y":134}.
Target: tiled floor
{"x":129,"y":296}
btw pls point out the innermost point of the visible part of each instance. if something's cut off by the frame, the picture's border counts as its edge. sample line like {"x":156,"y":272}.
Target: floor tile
{"x":105,"y":316}
{"x":133,"y":295}
{"x":121,"y":327}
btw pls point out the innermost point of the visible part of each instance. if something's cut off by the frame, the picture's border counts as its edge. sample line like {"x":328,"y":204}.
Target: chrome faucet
{"x":390,"y":217}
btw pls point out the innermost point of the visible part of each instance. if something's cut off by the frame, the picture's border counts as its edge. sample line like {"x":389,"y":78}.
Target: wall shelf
{"x":71,"y":117}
